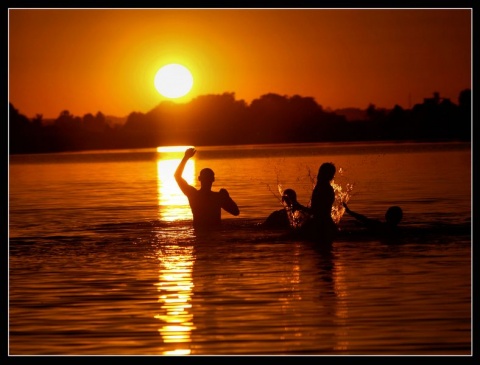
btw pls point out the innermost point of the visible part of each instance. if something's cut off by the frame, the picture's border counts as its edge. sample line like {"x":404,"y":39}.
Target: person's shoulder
{"x":217,"y":194}
{"x":303,"y":207}
{"x":277,"y":218}
{"x":189,"y":189}
{"x":222,"y":195}
{"x":277,"y":214}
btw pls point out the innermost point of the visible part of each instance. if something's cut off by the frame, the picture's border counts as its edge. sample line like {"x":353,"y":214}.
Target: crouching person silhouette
{"x":291,"y":215}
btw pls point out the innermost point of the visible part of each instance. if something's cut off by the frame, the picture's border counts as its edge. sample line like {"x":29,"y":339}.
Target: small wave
{"x":236,"y":231}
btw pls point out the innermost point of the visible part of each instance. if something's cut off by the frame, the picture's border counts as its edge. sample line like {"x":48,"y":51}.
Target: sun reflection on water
{"x":341,"y":315}
{"x":175,"y":283}
{"x":175,"y":288}
{"x":172,"y":204}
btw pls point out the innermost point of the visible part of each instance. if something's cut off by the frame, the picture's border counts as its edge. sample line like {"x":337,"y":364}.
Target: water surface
{"x":103,"y":259}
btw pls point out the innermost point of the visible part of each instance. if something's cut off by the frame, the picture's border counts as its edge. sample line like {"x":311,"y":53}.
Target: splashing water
{"x":296,"y":217}
{"x":341,"y":197}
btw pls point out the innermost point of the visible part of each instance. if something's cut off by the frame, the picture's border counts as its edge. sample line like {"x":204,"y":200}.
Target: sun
{"x":173,"y":81}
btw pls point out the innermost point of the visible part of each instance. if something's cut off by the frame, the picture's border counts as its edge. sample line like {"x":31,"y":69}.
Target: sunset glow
{"x":91,"y":60}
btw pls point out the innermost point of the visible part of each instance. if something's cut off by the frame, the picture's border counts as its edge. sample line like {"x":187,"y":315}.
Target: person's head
{"x":394,"y":215}
{"x":206,"y":176}
{"x":289,"y":196}
{"x":326,"y":172}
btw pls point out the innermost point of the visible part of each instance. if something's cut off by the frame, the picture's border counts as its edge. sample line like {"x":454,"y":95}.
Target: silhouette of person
{"x":291,"y":215}
{"x":206,"y":205}
{"x":393,"y":216}
{"x":321,"y":226}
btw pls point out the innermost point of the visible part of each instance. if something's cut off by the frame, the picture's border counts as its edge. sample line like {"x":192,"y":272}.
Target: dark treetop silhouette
{"x":222,"y":120}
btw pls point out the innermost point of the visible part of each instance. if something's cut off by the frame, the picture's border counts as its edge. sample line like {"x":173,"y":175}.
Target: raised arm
{"x":182,"y":183}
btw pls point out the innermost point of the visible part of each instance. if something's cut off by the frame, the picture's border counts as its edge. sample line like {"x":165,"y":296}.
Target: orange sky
{"x":91,"y":60}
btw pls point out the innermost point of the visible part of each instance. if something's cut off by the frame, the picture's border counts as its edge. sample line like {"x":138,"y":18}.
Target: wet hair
{"x":290,"y":193}
{"x":394,"y":215}
{"x":206,"y":174}
{"x":326,"y":171}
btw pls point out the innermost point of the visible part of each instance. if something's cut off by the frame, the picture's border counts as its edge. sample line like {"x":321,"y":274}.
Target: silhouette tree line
{"x":223,"y":120}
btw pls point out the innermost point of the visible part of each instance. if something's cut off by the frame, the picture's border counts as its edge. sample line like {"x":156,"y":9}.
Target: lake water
{"x":103,"y":259}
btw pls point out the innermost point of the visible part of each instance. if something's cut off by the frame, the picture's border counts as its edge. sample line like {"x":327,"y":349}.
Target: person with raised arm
{"x":206,"y":205}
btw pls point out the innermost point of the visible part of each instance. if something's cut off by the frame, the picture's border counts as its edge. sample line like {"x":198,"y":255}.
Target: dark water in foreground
{"x":103,"y":260}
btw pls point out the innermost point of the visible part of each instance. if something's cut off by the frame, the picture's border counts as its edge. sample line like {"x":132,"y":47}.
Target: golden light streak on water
{"x":341,"y":308}
{"x":172,"y":203}
{"x":175,"y":288}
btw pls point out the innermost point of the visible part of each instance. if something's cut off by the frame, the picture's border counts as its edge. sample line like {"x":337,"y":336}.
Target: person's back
{"x":206,"y":205}
{"x":277,"y":219}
